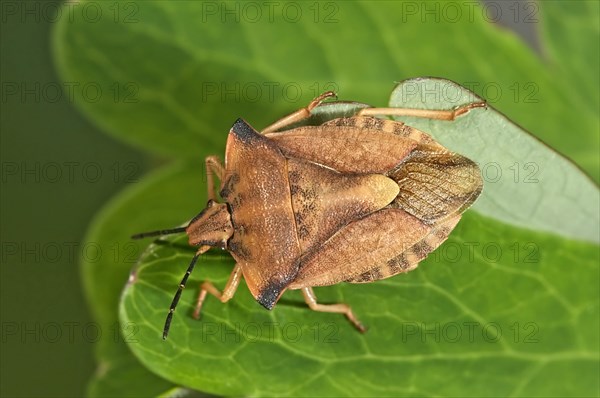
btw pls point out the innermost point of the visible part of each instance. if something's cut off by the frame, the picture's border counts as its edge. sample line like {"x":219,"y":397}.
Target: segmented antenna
{"x":158,"y":233}
{"x":178,"y":296}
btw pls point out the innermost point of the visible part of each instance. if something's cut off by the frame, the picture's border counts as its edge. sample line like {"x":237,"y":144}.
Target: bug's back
{"x":309,"y":209}
{"x":256,"y":188}
{"x":284,"y":208}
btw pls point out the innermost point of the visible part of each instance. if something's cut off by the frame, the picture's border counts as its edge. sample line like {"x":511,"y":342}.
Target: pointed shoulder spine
{"x":244,"y":132}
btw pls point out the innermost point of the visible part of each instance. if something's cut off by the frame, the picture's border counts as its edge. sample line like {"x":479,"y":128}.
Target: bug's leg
{"x":300,"y":114}
{"x":213,"y":167}
{"x":311,"y":300}
{"x":226,"y":295}
{"x":424,"y":113}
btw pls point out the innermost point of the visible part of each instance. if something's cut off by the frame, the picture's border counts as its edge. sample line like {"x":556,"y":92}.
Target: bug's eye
{"x":210,"y":203}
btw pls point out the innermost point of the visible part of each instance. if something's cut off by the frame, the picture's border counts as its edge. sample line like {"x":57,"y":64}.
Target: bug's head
{"x":212,"y":227}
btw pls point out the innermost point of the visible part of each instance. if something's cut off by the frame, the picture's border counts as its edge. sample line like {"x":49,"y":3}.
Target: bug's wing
{"x":352,"y":145}
{"x":359,"y":247}
{"x":435,"y":185}
{"x":408,"y":260}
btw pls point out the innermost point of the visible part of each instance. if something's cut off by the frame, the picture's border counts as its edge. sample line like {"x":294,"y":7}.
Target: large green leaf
{"x":156,"y":63}
{"x":432,"y":331}
{"x":193,"y":68}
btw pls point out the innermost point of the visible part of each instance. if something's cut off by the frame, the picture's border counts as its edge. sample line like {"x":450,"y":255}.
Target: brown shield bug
{"x":355,"y":199}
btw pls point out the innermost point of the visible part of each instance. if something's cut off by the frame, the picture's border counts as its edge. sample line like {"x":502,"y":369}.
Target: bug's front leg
{"x":226,"y":295}
{"x":311,"y":300}
{"x":300,"y":114}
{"x":213,"y":168}
{"x":424,"y":113}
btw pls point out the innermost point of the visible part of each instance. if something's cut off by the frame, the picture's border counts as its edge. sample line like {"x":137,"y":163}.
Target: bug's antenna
{"x":158,"y":233}
{"x":178,"y":295}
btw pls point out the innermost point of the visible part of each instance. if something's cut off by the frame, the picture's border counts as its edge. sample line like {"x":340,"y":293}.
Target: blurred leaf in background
{"x":182,"y":72}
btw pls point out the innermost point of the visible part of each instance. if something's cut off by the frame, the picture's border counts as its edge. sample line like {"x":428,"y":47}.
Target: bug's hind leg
{"x":424,"y":113}
{"x":311,"y":300}
{"x":300,"y":114}
{"x":226,"y":295}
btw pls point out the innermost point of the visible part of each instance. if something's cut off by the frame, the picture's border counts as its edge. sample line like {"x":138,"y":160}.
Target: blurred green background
{"x":48,"y":334}
{"x":46,"y":349}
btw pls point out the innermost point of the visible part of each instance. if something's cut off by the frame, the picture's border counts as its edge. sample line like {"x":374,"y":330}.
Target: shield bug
{"x":355,"y":199}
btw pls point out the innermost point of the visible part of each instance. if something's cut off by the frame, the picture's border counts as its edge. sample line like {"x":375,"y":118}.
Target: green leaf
{"x":525,"y":182}
{"x":157,"y":64}
{"x":123,"y":375}
{"x":569,"y":29}
{"x":193,"y":69}
{"x":492,"y":311}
